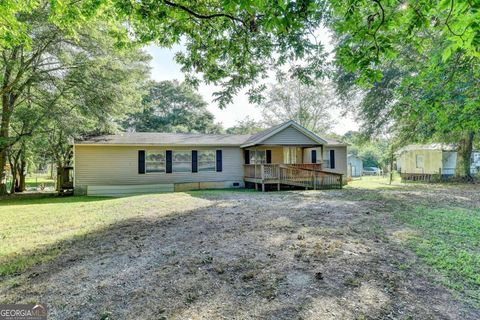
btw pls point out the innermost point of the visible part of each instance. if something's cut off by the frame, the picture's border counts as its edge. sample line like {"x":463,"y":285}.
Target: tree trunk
{"x":4,"y":126}
{"x":13,"y":171}
{"x":3,"y":172}
{"x":59,"y":176}
{"x":464,"y":157}
{"x":22,"y":174}
{"x":391,"y":166}
{"x":51,"y":170}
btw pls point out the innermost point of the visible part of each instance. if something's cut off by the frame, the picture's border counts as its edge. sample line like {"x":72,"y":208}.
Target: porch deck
{"x":307,"y":175}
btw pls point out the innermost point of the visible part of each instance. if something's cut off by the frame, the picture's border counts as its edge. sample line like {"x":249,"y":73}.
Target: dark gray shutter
{"x":219,"y":161}
{"x":246,"y":155}
{"x":194,"y":161}
{"x":169,"y":161}
{"x":141,"y":161}
{"x":269,"y":156}
{"x":332,"y":159}
{"x":314,"y":156}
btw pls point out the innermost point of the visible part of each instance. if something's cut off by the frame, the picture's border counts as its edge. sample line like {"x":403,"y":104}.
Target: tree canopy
{"x":58,"y":77}
{"x":370,"y":32}
{"x":170,"y":106}
{"x":246,"y":126}
{"x":414,"y":68}
{"x":413,"y":63}
{"x":309,"y":105}
{"x":228,"y":43}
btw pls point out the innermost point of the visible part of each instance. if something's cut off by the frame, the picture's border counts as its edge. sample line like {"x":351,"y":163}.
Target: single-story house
{"x":355,"y":166}
{"x":431,"y":159}
{"x":130,"y":163}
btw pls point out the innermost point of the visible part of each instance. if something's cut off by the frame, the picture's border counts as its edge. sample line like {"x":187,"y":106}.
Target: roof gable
{"x":288,"y":133}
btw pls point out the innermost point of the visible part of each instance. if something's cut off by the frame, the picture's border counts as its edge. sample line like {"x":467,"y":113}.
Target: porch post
{"x":262,"y":171}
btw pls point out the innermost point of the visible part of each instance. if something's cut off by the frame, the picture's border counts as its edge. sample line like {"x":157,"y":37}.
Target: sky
{"x":164,"y":67}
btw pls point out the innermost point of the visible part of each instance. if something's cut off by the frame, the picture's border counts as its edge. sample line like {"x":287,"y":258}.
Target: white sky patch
{"x":164,"y":67}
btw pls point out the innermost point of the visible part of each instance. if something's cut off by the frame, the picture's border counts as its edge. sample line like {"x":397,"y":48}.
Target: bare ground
{"x":241,"y":255}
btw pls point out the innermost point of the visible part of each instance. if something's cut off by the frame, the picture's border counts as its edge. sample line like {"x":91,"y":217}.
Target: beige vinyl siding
{"x":307,"y":155}
{"x":432,"y":161}
{"x":340,"y":159}
{"x":118,"y":165}
{"x":289,"y":136}
{"x":129,"y":190}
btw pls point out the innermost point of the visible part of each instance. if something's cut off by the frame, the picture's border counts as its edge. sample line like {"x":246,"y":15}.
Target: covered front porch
{"x":297,"y":166}
{"x":288,"y":155}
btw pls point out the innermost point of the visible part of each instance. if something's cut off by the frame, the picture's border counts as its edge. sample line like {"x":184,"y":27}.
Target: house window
{"x":419,"y":161}
{"x":290,"y":155}
{"x":206,"y":160}
{"x":332,"y":159}
{"x":258,"y":156}
{"x":182,"y":161}
{"x":155,"y":162}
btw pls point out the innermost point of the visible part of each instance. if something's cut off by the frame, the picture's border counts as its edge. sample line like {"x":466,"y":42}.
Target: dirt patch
{"x":277,"y":255}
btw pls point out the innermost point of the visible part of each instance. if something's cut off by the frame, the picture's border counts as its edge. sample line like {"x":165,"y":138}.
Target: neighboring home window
{"x":290,"y":155}
{"x":206,"y":160}
{"x":155,"y":162}
{"x":182,"y":161}
{"x":258,"y":156}
{"x":419,"y":161}
{"x":332,"y":159}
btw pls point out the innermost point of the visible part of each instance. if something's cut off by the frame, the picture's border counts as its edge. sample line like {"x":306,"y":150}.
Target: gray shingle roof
{"x":334,"y":142}
{"x":431,"y":146}
{"x":189,"y":139}
{"x":168,"y":139}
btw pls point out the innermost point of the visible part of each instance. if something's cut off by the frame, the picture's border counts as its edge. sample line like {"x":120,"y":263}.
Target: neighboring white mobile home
{"x":355,"y":166}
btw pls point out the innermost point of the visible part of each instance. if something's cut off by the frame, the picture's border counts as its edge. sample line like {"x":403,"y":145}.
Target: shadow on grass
{"x":238,"y":261}
{"x":46,"y":198}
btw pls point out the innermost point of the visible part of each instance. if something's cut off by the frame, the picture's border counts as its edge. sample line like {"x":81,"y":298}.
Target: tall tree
{"x":416,"y":64}
{"x":309,"y":105}
{"x":171,"y":106}
{"x":246,"y":126}
{"x":82,"y":72}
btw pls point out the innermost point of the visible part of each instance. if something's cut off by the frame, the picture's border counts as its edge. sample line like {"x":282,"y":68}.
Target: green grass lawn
{"x":36,"y":181}
{"x":32,"y":230}
{"x":449,"y":241}
{"x":375,"y":182}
